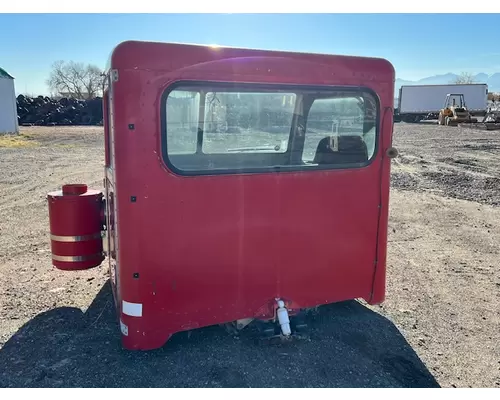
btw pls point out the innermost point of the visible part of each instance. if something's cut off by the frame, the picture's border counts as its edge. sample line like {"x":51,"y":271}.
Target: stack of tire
{"x":45,"y":111}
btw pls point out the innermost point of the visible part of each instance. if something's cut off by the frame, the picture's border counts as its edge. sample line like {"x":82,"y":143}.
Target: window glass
{"x":232,"y":128}
{"x":250,"y":121}
{"x":183,"y":108}
{"x":336,"y":117}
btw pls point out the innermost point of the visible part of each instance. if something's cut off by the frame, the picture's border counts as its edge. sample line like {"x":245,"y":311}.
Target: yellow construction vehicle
{"x":453,"y":114}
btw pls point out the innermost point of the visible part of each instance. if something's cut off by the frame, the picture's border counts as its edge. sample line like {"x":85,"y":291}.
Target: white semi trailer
{"x":417,"y":102}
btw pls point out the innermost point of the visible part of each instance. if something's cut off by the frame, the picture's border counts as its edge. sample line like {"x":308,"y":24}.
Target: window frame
{"x":249,"y":86}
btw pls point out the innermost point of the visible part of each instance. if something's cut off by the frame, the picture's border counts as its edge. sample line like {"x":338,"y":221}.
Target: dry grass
{"x":16,"y":141}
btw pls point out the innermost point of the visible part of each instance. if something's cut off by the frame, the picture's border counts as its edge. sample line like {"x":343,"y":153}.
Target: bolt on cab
{"x":240,"y":185}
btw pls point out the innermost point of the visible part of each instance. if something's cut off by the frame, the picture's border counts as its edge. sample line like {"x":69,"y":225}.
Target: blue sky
{"x":417,"y":45}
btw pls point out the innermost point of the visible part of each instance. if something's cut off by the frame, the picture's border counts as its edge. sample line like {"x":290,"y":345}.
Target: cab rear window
{"x":229,"y":128}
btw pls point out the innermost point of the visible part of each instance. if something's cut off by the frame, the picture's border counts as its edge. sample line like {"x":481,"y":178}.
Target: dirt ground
{"x":439,"y":326}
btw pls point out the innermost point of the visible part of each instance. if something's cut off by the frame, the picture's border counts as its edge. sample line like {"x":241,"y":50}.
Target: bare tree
{"x":464,"y":78}
{"x":76,"y":80}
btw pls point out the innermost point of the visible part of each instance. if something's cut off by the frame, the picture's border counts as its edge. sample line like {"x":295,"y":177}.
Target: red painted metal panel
{"x":201,"y":250}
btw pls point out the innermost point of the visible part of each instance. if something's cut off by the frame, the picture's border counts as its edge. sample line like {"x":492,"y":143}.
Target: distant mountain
{"x":493,"y":81}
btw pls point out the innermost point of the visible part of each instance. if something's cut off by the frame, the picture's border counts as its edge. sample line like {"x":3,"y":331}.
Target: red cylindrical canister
{"x":75,"y":227}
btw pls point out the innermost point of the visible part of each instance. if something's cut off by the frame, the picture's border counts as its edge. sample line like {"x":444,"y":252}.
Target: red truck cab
{"x":242,"y":184}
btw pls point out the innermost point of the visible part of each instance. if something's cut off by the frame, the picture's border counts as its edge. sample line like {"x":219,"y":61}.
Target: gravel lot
{"x":440,"y":324}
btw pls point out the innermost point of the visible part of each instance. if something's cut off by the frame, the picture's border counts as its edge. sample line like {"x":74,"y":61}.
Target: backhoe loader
{"x":452,"y":114}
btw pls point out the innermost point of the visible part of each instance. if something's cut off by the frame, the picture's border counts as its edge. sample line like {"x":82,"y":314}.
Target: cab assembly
{"x":240,"y":187}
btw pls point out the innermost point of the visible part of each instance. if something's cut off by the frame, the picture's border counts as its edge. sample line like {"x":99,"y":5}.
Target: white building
{"x":8,"y":104}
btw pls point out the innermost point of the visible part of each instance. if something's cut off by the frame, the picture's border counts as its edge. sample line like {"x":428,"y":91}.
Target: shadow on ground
{"x":349,"y":346}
